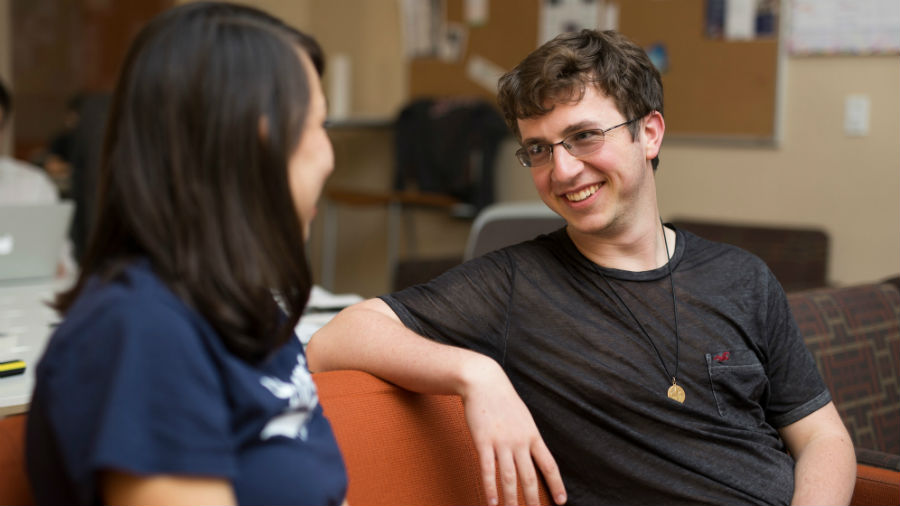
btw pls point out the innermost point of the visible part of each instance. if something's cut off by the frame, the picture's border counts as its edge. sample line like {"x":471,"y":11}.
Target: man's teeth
{"x":583,"y":194}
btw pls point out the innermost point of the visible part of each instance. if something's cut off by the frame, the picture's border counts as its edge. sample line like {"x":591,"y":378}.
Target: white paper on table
{"x":321,"y":299}
{"x":309,"y":324}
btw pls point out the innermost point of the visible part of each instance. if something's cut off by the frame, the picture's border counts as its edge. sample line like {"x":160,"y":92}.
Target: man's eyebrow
{"x":578,"y":127}
{"x":569,"y":130}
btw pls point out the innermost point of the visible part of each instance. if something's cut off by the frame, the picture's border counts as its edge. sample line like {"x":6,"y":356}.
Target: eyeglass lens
{"x":578,"y":144}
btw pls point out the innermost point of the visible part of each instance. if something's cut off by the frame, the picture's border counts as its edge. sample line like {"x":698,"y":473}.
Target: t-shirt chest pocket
{"x":738,"y":381}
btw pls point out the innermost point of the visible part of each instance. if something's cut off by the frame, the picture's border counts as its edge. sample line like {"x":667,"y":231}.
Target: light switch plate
{"x":856,"y":115}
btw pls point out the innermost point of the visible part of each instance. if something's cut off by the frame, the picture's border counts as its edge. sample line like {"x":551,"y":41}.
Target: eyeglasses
{"x":578,"y":144}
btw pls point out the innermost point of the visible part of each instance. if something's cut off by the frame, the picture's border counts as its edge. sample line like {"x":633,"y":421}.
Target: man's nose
{"x":565,"y":165}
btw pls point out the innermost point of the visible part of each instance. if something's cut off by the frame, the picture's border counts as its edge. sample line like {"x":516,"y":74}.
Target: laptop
{"x":31,"y":239}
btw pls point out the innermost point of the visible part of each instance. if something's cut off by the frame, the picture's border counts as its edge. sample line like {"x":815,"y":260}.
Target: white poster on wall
{"x":844,"y":26}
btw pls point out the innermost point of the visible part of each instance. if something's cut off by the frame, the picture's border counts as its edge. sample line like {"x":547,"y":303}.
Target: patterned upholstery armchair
{"x":854,"y":334}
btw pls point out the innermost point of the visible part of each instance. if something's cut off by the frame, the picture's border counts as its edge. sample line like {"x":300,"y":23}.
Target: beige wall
{"x":367,"y":32}
{"x":850,"y":187}
{"x":294,"y":12}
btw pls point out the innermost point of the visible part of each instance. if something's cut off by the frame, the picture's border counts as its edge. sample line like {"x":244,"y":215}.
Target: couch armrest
{"x":876,"y":486}
{"x":402,"y":447}
{"x":877,"y":458}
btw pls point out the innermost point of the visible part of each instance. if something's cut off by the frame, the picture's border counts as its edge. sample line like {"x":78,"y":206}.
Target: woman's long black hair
{"x":210,"y":104}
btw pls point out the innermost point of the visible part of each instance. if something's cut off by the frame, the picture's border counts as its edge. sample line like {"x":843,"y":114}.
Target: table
{"x":26,"y":323}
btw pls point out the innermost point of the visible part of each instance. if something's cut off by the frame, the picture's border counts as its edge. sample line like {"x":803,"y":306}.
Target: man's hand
{"x":506,"y":436}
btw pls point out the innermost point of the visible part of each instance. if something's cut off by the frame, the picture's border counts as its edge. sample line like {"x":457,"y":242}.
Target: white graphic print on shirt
{"x":302,"y":400}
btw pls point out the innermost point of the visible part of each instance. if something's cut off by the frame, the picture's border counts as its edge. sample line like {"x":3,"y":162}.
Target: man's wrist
{"x":477,"y":370}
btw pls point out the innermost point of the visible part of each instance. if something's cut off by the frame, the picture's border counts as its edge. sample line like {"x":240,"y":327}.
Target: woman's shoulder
{"x":132,"y":310}
{"x":134,"y":292}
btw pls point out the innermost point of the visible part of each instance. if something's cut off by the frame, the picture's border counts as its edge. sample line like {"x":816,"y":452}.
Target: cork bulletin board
{"x":714,"y":88}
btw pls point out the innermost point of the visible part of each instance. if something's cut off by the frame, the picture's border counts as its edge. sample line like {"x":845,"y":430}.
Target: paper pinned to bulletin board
{"x":718,"y":87}
{"x":560,"y":16}
{"x":844,"y":27}
{"x":737,"y":20}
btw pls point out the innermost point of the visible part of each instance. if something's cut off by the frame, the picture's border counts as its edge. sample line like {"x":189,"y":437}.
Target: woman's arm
{"x":119,"y":487}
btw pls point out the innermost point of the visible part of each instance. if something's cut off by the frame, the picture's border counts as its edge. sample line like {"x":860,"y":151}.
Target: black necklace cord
{"x":633,"y":317}
{"x":674,"y":303}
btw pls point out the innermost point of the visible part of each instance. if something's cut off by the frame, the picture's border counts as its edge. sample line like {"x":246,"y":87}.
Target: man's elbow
{"x":322,"y":345}
{"x":314,"y":359}
{"x":326,"y":344}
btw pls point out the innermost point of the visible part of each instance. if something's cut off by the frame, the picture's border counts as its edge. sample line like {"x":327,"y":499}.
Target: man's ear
{"x":654,"y":126}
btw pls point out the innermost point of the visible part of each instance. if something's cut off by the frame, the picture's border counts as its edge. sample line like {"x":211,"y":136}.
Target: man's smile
{"x":578,"y":196}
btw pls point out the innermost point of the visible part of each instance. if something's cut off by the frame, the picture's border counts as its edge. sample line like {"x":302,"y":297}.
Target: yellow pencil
{"x":11,"y":368}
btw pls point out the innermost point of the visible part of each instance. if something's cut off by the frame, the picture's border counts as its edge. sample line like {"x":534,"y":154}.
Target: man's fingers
{"x":527,"y":477}
{"x":507,"y":466}
{"x":488,"y":473}
{"x":550,"y":471}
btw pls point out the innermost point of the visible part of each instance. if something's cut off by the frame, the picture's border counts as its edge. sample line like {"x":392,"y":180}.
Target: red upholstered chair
{"x":402,"y":448}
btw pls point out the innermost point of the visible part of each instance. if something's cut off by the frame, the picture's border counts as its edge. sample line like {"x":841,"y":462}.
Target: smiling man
{"x":625,"y":361}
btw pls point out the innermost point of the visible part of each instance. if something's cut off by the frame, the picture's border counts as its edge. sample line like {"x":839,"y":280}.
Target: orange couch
{"x":14,"y":487}
{"x":405,"y":448}
{"x":400,"y":448}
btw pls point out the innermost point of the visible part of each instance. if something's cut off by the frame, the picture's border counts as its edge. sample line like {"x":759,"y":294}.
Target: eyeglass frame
{"x":525,"y":159}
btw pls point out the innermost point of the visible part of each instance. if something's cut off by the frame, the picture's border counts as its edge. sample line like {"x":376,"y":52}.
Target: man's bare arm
{"x":371,"y":338}
{"x":825,"y":470}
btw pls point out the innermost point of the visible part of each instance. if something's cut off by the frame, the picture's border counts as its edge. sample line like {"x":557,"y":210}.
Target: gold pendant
{"x":676,"y":393}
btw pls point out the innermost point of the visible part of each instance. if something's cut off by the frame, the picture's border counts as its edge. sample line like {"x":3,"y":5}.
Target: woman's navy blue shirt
{"x":135,"y":380}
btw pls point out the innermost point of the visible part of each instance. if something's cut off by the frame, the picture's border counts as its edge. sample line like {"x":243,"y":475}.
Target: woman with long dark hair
{"x":175,"y":376}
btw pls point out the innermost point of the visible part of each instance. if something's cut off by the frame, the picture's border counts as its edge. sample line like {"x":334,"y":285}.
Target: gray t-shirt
{"x":596,"y":386}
